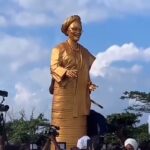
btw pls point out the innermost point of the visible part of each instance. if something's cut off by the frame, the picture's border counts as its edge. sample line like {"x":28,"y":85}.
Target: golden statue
{"x":70,"y":65}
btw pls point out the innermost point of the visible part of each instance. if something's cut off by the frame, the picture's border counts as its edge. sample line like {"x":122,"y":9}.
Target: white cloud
{"x":136,"y":69}
{"x":14,"y":46}
{"x":127,"y":6}
{"x":41,"y":77}
{"x":28,"y":99}
{"x":125,"y":53}
{"x":147,"y":54}
{"x":23,"y":95}
{"x":31,"y":19}
{"x":121,"y":6}
{"x":25,"y":99}
{"x":25,"y":74}
{"x":39,"y":12}
{"x":20,"y":51}
{"x":15,"y":66}
{"x":3,"y":21}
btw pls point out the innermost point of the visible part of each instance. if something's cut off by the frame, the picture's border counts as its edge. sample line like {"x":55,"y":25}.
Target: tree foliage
{"x":141,"y":133}
{"x":142,"y":99}
{"x":123,"y":119}
{"x":123,"y":124}
{"x":141,"y":104}
{"x":25,"y":131}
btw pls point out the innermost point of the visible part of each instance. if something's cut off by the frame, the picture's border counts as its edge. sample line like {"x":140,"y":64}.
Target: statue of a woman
{"x":70,"y":65}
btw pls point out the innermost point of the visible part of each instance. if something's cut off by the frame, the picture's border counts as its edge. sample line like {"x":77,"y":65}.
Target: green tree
{"x":25,"y":131}
{"x":123,"y":124}
{"x":142,"y":98}
{"x":141,"y":133}
{"x":142,"y":104}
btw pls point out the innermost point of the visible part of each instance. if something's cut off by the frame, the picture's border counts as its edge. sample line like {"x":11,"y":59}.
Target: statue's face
{"x":74,"y":31}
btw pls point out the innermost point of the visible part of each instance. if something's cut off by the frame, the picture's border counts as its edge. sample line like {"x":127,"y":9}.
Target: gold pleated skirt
{"x":71,"y":128}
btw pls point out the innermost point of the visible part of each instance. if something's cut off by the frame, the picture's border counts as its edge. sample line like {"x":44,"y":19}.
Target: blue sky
{"x":116,"y":32}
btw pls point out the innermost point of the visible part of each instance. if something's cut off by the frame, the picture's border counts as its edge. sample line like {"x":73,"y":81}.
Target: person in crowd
{"x":131,"y":144}
{"x":83,"y":142}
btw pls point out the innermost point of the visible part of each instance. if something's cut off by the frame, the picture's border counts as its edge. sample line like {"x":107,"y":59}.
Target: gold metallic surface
{"x":70,"y":65}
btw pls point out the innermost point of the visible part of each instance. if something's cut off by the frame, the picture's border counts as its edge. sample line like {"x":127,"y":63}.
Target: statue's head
{"x":67,"y":23}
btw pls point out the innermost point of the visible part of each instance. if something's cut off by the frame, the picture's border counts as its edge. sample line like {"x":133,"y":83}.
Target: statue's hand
{"x":92,"y":87}
{"x":72,"y":73}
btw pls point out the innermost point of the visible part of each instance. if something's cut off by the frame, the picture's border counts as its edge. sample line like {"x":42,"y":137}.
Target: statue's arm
{"x":57,"y":70}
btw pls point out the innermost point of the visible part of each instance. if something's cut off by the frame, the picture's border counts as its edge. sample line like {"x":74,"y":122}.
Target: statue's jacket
{"x":71,"y":93}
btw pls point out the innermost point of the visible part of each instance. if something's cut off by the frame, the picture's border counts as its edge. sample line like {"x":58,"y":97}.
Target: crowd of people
{"x":85,"y":143}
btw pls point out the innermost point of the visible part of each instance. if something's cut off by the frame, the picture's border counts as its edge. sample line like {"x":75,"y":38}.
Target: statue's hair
{"x":68,"y":21}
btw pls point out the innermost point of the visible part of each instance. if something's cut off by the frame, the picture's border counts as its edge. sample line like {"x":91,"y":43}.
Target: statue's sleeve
{"x":91,"y":58}
{"x":88,"y":56}
{"x":57,"y":70}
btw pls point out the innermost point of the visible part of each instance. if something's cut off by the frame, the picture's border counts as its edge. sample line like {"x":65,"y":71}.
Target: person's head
{"x":130,"y":144}
{"x":72,"y":27}
{"x":82,"y":142}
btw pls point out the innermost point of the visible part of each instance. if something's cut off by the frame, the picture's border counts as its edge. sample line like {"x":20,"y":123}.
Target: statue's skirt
{"x":71,"y":128}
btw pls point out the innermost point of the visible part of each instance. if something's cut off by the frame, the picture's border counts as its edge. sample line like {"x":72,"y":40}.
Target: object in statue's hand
{"x":92,"y":87}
